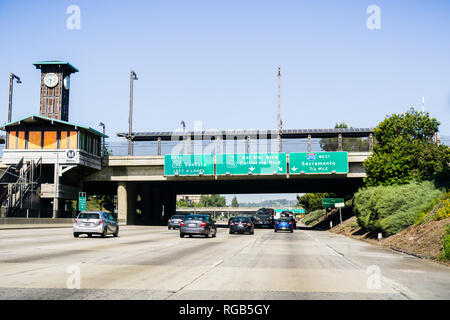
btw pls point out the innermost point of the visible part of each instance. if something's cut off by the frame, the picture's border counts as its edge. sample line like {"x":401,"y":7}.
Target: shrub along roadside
{"x":390,"y":209}
{"x":445,"y":255}
{"x":313,"y":216}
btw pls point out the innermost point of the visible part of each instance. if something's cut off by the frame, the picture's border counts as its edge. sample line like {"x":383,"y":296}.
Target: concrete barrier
{"x":36,"y":221}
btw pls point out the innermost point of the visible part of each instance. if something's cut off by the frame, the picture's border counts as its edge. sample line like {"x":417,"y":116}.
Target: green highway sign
{"x":250,"y":163}
{"x":189,"y":165}
{"x":318,"y":162}
{"x":330,"y":202}
{"x":81,"y":201}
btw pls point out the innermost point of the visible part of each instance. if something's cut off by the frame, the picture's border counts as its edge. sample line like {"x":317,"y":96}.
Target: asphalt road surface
{"x":155,"y":263}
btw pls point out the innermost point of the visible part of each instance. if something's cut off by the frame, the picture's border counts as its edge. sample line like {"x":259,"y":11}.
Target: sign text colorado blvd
{"x":250,"y":163}
{"x":255,"y":163}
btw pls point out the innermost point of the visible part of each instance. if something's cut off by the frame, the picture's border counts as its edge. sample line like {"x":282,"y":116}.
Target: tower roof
{"x":63,"y":64}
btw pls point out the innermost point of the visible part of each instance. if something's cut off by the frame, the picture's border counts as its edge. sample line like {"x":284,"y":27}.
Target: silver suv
{"x":95,"y":222}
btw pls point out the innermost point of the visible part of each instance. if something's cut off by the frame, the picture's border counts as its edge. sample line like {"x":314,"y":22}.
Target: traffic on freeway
{"x":152,"y":262}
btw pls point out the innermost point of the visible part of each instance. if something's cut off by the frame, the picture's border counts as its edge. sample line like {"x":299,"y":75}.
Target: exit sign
{"x":318,"y":162}
{"x":82,"y":201}
{"x":250,"y":163}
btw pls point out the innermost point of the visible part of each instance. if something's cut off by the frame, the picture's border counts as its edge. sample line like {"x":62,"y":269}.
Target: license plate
{"x":191,"y":225}
{"x":86,"y":224}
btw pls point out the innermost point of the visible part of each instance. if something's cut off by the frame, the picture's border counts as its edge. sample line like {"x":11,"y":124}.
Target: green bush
{"x":313,"y":216}
{"x":390,"y":209}
{"x":445,"y":255}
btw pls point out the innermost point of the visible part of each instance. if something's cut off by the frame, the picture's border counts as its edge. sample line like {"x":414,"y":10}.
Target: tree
{"x":183,"y":203}
{"x":405,"y":151}
{"x":213,"y":200}
{"x":348,"y":144}
{"x":312,"y":201}
{"x":234,"y":202}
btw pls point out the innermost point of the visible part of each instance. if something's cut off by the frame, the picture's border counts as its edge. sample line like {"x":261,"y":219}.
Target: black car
{"x":242,"y":224}
{"x":264,"y":217}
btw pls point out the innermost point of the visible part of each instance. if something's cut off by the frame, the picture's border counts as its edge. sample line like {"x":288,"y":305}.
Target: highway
{"x":155,"y":263}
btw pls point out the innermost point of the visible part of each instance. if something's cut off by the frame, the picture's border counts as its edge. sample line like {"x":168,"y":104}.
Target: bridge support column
{"x":145,"y":193}
{"x":169,"y":205}
{"x":127,"y":198}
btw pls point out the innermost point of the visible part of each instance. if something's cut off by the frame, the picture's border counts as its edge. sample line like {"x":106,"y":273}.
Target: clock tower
{"x":55,"y":88}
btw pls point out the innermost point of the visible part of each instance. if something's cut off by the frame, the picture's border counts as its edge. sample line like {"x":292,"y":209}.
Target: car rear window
{"x":88,"y":215}
{"x":241,"y":219}
{"x":177,"y":217}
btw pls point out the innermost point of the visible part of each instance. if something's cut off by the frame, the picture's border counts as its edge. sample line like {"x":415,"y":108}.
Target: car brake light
{"x":203,"y":224}
{"x":290,"y":222}
{"x":182,"y":224}
{"x":249,"y":224}
{"x":100,"y":221}
{"x":76,"y":220}
{"x":231,"y":223}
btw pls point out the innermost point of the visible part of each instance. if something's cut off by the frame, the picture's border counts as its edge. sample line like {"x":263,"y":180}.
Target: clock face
{"x":67,"y":83}
{"x":51,"y":80}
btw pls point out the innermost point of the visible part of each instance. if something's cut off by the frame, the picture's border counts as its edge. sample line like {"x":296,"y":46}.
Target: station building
{"x":46,"y":156}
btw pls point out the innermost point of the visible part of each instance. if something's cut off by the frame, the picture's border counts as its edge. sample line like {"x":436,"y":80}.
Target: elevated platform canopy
{"x":254,"y":133}
{"x":54,"y":141}
{"x":36,"y":121}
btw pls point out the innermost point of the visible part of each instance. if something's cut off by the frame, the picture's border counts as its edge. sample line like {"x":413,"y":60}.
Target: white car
{"x":95,"y":222}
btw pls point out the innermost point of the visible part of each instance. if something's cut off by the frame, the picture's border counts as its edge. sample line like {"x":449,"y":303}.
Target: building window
{"x":63,"y":140}
{"x":72,"y":140}
{"x":12,"y":141}
{"x":50,"y":139}
{"x":21,"y":140}
{"x":34,"y":140}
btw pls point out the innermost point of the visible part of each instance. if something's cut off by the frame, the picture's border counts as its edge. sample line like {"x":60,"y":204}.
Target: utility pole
{"x":11,"y":83}
{"x":279,"y":121}
{"x":133,"y":77}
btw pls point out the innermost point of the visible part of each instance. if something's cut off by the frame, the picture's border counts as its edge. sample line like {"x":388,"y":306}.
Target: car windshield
{"x":88,"y":215}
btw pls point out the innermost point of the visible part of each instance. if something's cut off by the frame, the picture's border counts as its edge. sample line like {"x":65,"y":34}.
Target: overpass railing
{"x":143,"y":148}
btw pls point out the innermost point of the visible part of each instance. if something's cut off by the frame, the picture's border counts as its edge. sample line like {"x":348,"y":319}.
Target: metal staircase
{"x":18,"y":183}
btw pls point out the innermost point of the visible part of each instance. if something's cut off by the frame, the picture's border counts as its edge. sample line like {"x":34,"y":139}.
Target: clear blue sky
{"x":216,"y":61}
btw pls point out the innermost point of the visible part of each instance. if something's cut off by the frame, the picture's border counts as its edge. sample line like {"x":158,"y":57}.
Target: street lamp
{"x":101,"y":124}
{"x":11,"y":81}
{"x":133,"y":77}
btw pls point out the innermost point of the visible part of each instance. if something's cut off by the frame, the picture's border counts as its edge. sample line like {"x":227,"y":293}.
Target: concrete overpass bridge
{"x":140,"y":183}
{"x":146,"y":193}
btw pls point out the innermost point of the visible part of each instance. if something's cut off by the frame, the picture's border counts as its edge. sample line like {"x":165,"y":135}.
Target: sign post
{"x":339,"y":205}
{"x":81,"y":201}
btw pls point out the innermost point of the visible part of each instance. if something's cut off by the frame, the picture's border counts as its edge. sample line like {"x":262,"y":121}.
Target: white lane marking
{"x":217,"y":263}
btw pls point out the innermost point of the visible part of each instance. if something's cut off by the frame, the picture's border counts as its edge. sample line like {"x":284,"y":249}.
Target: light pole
{"x":133,"y":77}
{"x":184,"y":135}
{"x":101,"y":124}
{"x":11,"y":81}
